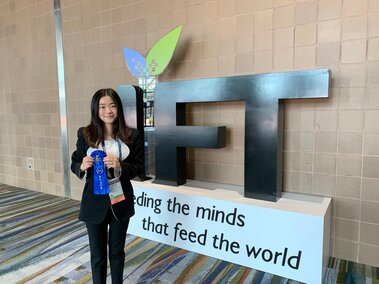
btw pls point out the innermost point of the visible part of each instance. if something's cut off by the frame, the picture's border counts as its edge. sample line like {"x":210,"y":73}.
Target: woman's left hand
{"x":112,"y":162}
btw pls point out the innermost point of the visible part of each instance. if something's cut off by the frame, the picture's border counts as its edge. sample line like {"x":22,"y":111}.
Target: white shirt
{"x":111,"y":148}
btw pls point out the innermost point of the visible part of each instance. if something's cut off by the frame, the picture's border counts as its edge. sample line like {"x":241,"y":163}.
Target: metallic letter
{"x":132,"y":102}
{"x":263,"y":123}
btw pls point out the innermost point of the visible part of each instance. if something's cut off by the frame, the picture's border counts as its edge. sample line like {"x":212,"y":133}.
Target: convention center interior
{"x":189,"y":141}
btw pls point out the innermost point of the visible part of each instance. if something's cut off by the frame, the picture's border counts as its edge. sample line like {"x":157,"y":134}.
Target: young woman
{"x":108,"y":155}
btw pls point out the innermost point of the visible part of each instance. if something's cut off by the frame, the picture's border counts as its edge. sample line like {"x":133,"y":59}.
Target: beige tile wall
{"x":331,"y":146}
{"x":29,"y":114}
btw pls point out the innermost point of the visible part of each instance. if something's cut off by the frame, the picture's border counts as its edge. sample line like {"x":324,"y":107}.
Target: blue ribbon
{"x":100,"y":180}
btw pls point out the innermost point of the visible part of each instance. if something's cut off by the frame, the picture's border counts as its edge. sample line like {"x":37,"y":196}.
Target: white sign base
{"x":289,"y":238}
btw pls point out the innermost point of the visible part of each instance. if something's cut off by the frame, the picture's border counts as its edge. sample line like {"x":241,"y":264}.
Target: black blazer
{"x":93,"y":208}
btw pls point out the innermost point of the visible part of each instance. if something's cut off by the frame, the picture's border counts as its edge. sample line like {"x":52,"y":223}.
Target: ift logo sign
{"x":263,"y":118}
{"x":262,"y":95}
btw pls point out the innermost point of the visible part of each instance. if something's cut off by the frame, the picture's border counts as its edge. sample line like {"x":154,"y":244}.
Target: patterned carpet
{"x":42,"y":241}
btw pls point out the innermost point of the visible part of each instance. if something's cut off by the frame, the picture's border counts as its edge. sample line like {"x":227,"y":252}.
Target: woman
{"x":107,"y":135}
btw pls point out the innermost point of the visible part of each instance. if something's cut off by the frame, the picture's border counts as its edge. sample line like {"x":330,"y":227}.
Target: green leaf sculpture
{"x":161,"y":53}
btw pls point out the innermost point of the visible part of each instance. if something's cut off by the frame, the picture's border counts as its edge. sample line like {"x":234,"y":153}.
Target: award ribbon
{"x":100,"y":180}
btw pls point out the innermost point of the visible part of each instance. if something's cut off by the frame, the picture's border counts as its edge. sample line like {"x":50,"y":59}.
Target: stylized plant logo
{"x":157,"y":58}
{"x":147,"y":69}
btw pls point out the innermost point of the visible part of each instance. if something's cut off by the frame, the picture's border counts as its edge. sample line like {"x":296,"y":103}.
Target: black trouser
{"x":97,"y":234}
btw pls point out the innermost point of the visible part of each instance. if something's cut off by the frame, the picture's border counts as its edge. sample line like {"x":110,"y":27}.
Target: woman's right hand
{"x":86,"y":163}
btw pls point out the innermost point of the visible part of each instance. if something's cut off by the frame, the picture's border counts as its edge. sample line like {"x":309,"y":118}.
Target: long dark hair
{"x":94,"y":132}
